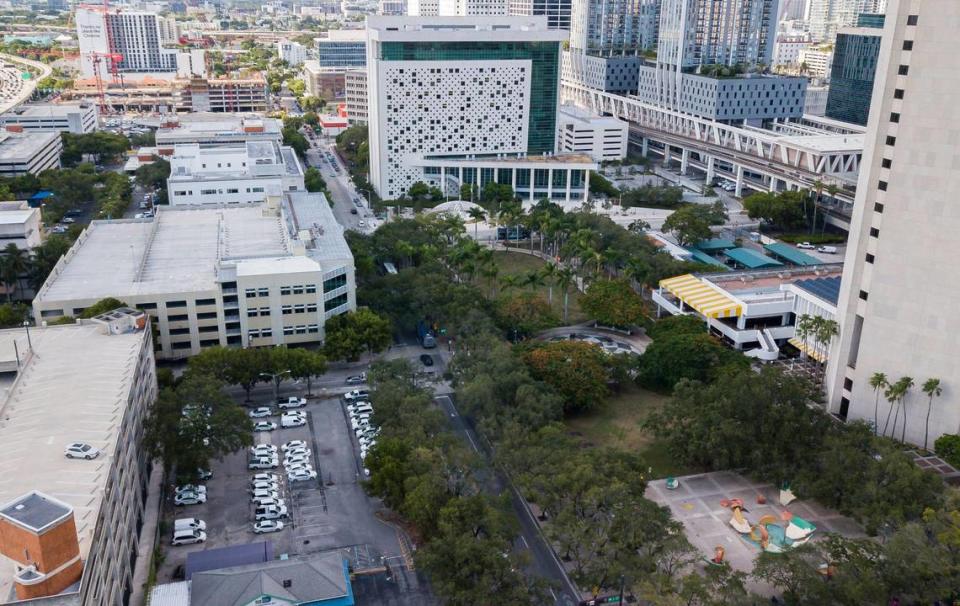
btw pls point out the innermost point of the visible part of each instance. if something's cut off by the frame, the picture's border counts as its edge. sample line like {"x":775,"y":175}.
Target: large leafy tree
{"x":691,"y":224}
{"x":577,"y":370}
{"x":672,"y":358}
{"x":350,"y":335}
{"x":613,"y":303}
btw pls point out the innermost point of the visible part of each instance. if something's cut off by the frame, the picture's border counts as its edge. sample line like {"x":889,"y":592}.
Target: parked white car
{"x":356,"y":394}
{"x":295,"y":461}
{"x":258,"y":486}
{"x":357,"y":379}
{"x":806,"y":246}
{"x":270,"y":513}
{"x":263,"y":463}
{"x":80,"y":450}
{"x":201,"y":489}
{"x":299,"y":467}
{"x":264,"y":426}
{"x":267,"y":526}
{"x":291,"y":402}
{"x":829,"y":250}
{"x":264,"y":477}
{"x":189,"y":498}
{"x":294,"y":444}
{"x":301,"y":474}
{"x":259,"y":413}
{"x":258,"y":451}
{"x":290,"y":419}
{"x":298,"y":451}
{"x":258,"y":495}
{"x":269,"y":502}
{"x":189,"y":524}
{"x":188,"y":537}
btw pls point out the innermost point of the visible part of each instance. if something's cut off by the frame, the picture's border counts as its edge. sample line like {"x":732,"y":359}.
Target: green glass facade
{"x":851,"y":77}
{"x":544,"y":81}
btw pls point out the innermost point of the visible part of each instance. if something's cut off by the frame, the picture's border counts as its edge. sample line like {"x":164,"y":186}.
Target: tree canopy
{"x":613,"y":303}
{"x":691,"y":223}
{"x":350,"y":335}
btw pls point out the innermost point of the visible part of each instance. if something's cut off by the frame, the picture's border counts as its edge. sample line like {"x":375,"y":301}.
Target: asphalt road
{"x":340,"y":186}
{"x":543,"y":563}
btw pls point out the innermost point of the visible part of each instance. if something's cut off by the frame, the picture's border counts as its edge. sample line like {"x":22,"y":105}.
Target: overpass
{"x":14,"y":90}
{"x":791,"y":156}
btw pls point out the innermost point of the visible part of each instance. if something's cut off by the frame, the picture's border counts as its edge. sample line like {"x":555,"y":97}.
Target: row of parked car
{"x":360,"y":410}
{"x":288,"y":417}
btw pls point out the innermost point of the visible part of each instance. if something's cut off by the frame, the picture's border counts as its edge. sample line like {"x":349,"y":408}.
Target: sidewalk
{"x":148,"y":535}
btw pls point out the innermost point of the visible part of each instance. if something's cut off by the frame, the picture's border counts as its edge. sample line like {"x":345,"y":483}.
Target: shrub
{"x":947,"y":447}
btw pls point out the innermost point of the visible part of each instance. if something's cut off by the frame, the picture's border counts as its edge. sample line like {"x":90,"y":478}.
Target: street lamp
{"x":26,"y":325}
{"x":276,"y":381}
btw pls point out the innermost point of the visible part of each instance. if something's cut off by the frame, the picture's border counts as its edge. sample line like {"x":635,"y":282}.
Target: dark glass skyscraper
{"x":851,"y":78}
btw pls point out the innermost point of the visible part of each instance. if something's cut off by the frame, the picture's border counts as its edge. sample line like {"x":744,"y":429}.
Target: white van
{"x":363,"y":409}
{"x":189,"y":524}
{"x":829,"y":250}
{"x":188,"y":537}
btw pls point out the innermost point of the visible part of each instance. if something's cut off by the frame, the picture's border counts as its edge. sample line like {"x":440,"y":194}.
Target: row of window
{"x":253,"y":312}
{"x":213,"y":192}
{"x":301,"y":329}
{"x":299,"y":309}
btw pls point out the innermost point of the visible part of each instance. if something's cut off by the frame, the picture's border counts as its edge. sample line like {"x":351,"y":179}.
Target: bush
{"x":947,"y":448}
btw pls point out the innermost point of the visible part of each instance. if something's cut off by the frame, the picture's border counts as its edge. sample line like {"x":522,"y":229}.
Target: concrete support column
{"x":710,"y":171}
{"x":460,"y":177}
{"x":739,"y":183}
{"x":513,"y":180}
{"x":569,"y":172}
{"x":666,"y":154}
{"x":550,"y":184}
{"x":586,"y":185}
{"x":644,"y":147}
{"x":684,"y":160}
{"x":533,"y":185}
{"x":773,"y":185}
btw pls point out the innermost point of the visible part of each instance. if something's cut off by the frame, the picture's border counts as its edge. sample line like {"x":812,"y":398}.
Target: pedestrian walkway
{"x":148,"y":536}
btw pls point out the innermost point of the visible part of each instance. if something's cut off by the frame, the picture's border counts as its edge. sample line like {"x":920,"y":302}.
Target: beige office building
{"x":253,"y":275}
{"x":900,"y":282}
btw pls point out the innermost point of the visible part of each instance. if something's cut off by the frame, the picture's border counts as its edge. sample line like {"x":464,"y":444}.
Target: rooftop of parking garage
{"x":826,"y":143}
{"x":23,"y":146}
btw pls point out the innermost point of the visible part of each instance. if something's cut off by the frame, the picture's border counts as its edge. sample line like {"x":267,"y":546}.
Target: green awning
{"x":715,"y":245}
{"x":702,"y":257}
{"x":790,"y":254}
{"x":752,"y":259}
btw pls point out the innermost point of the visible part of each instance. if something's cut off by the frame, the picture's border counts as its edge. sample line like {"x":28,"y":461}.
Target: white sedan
{"x":293,"y":420}
{"x":267,"y":526}
{"x":264,"y":426}
{"x":301,"y":474}
{"x":294,"y":444}
{"x":258,"y":486}
{"x":189,"y":498}
{"x":264,"y":494}
{"x":265,"y":477}
{"x":79,"y":450}
{"x":259,"y":413}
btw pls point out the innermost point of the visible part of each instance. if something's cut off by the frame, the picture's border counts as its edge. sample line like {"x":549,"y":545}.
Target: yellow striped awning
{"x":808,"y":349}
{"x":701,"y":296}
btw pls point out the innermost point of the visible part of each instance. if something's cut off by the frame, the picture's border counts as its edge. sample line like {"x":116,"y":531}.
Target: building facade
{"x":215,"y":129}
{"x":232,"y":173}
{"x":23,"y":152}
{"x":135,"y":36}
{"x":852,"y":74}
{"x":557,"y":12}
{"x":446,"y":91}
{"x":342,"y":49}
{"x":898,"y":284}
{"x":246,"y":275}
{"x":786,"y":51}
{"x":825,"y":17}
{"x":325,"y":82}
{"x":293,"y":53}
{"x":603,"y":138}
{"x":815,"y":61}
{"x":355,"y":84}
{"x":610,"y":74}
{"x":77,"y":119}
{"x":472,"y":8}
{"x":606,"y":28}
{"x":218,"y":95}
{"x":107,"y":366}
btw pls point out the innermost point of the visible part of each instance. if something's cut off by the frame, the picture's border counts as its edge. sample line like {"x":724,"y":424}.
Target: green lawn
{"x":618,"y":424}
{"x":518,"y":264}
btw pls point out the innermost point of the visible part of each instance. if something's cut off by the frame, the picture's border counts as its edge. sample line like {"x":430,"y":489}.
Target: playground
{"x":725,"y":514}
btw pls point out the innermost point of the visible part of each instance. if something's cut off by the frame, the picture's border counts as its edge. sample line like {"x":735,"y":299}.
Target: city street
{"x":321,"y":156}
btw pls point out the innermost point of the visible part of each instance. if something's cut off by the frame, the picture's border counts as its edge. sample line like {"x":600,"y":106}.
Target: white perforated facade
{"x":476,"y":108}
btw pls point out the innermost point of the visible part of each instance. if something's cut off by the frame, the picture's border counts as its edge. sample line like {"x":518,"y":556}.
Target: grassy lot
{"x":618,"y":424}
{"x":519,"y":264}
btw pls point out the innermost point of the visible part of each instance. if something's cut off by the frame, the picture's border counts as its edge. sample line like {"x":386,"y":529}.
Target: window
{"x":912,"y":19}
{"x":908,"y":45}
{"x":147,"y":306}
{"x":263,"y":292}
{"x":334,"y":283}
{"x":210,"y":343}
{"x":252,"y":312}
{"x":855,"y":342}
{"x":299,"y":309}
{"x":864,"y":294}
{"x":287,"y":331}
{"x":874,"y":232}
{"x":266,"y":332}
{"x":251,"y":293}
{"x":207,"y":315}
{"x":284,"y":290}
{"x":878,"y":207}
{"x":301,"y":329}
{"x":208,"y":329}
{"x":870,"y":258}
{"x":903,"y":70}
{"x":257,"y":190}
{"x":287,"y":310}
{"x":298,"y":289}
{"x":233,"y":191}
{"x":847,"y":383}
{"x":179,"y":331}
{"x":336,"y":302}
{"x":264,"y":311}
{"x":895,"y":117}
{"x":882,"y":186}
{"x":177,"y":318}
{"x":208,"y":192}
{"x":253,"y":334}
{"x":313,"y":328}
{"x":898,"y":93}
{"x":172,"y":304}
{"x":891,"y":140}
{"x":311,"y":308}
{"x":180,"y":345}
{"x":886,"y":163}
{"x":206,"y":301}
{"x":310,"y":289}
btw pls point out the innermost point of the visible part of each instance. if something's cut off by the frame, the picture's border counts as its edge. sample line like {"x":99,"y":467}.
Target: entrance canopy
{"x":703,"y":297}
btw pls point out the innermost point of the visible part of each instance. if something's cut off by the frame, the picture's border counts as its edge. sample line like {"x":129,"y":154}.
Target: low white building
{"x":818,"y":61}
{"x":604,"y":138}
{"x":78,"y":119}
{"x":24,"y":153}
{"x":216,"y":128}
{"x":20,"y":225}
{"x":254,"y":275}
{"x":232,"y":173}
{"x":192,"y":63}
{"x":293,"y":53}
{"x":786,"y":51}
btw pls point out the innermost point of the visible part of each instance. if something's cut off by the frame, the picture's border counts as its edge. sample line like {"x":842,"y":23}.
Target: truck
{"x":425,"y":335}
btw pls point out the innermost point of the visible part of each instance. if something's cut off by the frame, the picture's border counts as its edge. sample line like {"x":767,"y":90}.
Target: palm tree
{"x":891,"y":394}
{"x":824,"y":332}
{"x":18,"y":261}
{"x":932,"y":388}
{"x":906,"y":383}
{"x":532,"y":279}
{"x":817,"y":187}
{"x":548,"y":273}
{"x":509,"y":281}
{"x":878,"y":381}
{"x":565,"y":277}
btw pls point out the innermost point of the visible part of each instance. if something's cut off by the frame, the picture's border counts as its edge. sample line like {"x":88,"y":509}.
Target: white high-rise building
{"x":137,"y":37}
{"x":293,"y":53}
{"x":900,"y":285}
{"x":472,"y":8}
{"x":613,"y":27}
{"x":557,"y":12}
{"x":423,"y":8}
{"x":456,"y":100}
{"x":825,"y":17}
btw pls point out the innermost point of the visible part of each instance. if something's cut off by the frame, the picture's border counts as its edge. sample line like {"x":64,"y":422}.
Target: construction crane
{"x":114,"y":60}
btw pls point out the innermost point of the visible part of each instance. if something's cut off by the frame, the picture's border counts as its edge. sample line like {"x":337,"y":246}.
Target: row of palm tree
{"x":896,"y":394}
{"x":821,"y":331}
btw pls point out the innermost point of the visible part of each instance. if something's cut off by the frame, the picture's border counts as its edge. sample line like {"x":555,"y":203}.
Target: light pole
{"x":26,"y":325}
{"x":276,"y":381}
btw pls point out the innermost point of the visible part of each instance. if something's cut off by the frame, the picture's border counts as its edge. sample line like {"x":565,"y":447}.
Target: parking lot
{"x":330,"y":512}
